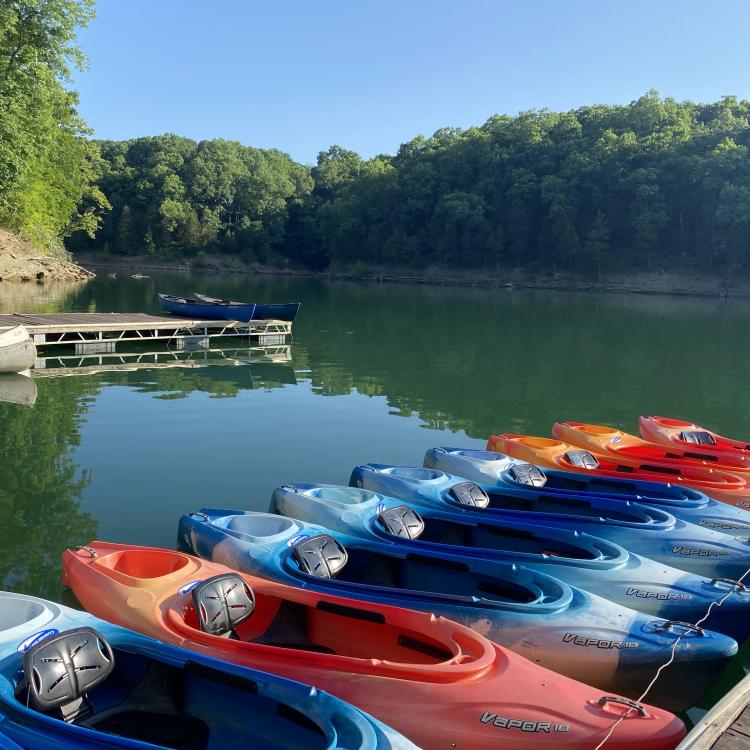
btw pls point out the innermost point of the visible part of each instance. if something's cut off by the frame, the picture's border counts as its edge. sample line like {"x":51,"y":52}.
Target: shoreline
{"x":674,"y":284}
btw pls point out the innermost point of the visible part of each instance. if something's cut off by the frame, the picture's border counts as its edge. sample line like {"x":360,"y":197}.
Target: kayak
{"x":538,"y":616}
{"x":503,"y":470}
{"x":130,"y":691}
{"x":641,"y":529}
{"x":17,"y":350}
{"x":274,"y":311}
{"x":586,"y":562}
{"x":707,"y":445}
{"x":385,"y":660}
{"x":616,"y":452}
{"x":188,"y":307}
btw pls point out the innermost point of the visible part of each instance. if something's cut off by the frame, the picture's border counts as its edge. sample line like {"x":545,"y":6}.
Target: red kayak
{"x":439,"y":683}
{"x":704,"y":444}
{"x":619,"y":453}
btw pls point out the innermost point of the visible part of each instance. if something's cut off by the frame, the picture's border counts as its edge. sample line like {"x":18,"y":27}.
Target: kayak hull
{"x":590,"y":563}
{"x":479,"y":680}
{"x":193,"y":308}
{"x":212,"y":694}
{"x":566,"y":630}
{"x":17,"y":350}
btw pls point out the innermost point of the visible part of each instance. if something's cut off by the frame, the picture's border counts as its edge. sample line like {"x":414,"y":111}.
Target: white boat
{"x":17,"y":350}
{"x":17,"y":389}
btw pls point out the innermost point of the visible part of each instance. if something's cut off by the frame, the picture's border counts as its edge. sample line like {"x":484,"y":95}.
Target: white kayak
{"x":17,"y":350}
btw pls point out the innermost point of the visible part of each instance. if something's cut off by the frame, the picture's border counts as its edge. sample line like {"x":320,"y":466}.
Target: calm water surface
{"x":375,"y":373}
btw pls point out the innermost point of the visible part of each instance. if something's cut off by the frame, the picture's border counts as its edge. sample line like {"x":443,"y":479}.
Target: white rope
{"x":642,"y":697}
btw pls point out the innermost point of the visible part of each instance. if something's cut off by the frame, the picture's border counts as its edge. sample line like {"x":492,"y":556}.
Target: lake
{"x":375,"y":373}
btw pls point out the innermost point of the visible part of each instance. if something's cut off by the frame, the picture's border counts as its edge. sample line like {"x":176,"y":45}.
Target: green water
{"x":376,"y":373}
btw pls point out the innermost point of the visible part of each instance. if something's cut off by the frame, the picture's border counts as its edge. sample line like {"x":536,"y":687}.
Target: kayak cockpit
{"x":116,"y":691}
{"x":322,"y":627}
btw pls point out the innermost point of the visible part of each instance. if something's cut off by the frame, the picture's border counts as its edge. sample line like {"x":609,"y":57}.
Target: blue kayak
{"x":647,"y":531}
{"x":270,"y":311}
{"x":488,"y":467}
{"x":592,"y":564}
{"x":71,"y":680}
{"x":188,"y":307}
{"x":551,"y":623}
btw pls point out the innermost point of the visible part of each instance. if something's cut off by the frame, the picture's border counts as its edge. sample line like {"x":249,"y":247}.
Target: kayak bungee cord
{"x":737,"y":585}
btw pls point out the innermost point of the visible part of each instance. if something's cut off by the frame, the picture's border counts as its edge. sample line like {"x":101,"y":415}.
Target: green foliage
{"x":48,"y":167}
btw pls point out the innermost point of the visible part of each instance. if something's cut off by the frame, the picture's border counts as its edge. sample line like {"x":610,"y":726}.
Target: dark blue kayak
{"x":274,"y":311}
{"x":187,"y":307}
{"x":549,"y":622}
{"x":641,"y":529}
{"x":488,"y":467}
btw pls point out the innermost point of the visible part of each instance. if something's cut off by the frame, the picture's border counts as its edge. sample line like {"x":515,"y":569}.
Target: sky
{"x":300,"y":75}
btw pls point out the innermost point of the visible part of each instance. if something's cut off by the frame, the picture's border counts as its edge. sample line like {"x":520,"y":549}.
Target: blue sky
{"x":300,"y":75}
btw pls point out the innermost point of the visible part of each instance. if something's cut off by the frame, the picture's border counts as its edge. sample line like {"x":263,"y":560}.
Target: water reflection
{"x":17,"y":389}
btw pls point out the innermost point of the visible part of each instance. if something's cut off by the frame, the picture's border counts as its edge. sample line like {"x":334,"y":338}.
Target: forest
{"x":653,"y":184}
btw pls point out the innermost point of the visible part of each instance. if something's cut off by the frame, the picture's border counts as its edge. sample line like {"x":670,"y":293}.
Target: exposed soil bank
{"x":655,"y":282}
{"x":21,"y":261}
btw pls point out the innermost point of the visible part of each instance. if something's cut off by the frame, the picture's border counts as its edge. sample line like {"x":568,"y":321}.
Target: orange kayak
{"x":701,"y":443}
{"x":439,"y":683}
{"x":639,"y":457}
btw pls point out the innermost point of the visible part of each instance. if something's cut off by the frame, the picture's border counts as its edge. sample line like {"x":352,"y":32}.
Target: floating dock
{"x":92,"y":333}
{"x":726,"y":726}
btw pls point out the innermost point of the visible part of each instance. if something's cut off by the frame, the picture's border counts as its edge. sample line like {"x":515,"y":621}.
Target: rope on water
{"x":673,"y":651}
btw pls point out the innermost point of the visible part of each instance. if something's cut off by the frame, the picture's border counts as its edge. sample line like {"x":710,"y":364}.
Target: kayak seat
{"x":698,"y":437}
{"x":68,"y":676}
{"x":321,"y":556}
{"x":528,"y":474}
{"x":582,"y":459}
{"x":468,"y":493}
{"x":222,"y":603}
{"x":401,"y":521}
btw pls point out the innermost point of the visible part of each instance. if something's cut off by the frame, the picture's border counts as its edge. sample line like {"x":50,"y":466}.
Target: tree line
{"x":652,"y":184}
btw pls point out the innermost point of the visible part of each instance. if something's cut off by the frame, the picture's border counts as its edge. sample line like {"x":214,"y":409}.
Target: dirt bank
{"x":21,"y":261}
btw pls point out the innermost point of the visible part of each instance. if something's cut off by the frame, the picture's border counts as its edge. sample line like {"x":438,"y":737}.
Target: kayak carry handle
{"x":733,"y":582}
{"x":622,"y":701}
{"x":198,"y":514}
{"x":669,"y":624}
{"x":83,"y":547}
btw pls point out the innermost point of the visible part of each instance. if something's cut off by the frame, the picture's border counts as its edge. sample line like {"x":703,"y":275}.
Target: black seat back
{"x":320,"y":556}
{"x":61,"y":669}
{"x":468,"y":493}
{"x":401,"y":521}
{"x":222,"y":602}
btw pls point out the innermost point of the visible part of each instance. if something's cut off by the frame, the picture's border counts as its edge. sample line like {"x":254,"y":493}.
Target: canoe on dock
{"x":189,"y":307}
{"x":17,"y":350}
{"x":274,"y":311}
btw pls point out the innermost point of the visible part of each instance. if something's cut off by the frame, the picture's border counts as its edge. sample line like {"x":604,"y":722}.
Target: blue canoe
{"x":187,"y":307}
{"x":488,"y":467}
{"x":553,"y":624}
{"x":132,"y":692}
{"x":590,"y":563}
{"x":647,"y":531}
{"x":275,"y":311}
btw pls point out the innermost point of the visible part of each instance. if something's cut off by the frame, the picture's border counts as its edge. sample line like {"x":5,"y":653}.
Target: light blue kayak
{"x":641,"y":529}
{"x":592,"y":564}
{"x":497,"y":469}
{"x":71,"y":680}
{"x":540,"y":617}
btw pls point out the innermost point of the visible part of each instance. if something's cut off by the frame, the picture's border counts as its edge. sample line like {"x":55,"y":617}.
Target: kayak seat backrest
{"x":528,"y":474}
{"x":260,"y":525}
{"x":16,"y":611}
{"x":401,"y":521}
{"x":698,"y":437}
{"x":61,"y":669}
{"x":321,"y":556}
{"x":222,"y":603}
{"x":582,"y":459}
{"x":468,"y":493}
